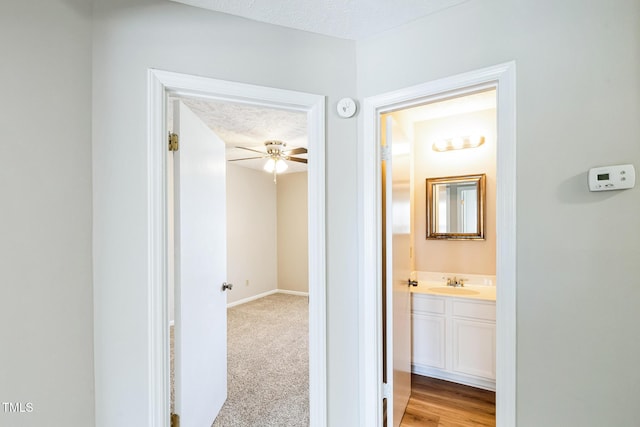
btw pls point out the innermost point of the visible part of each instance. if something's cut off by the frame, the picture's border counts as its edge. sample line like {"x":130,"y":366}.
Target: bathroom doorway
{"x":444,"y":167}
{"x":500,"y":78}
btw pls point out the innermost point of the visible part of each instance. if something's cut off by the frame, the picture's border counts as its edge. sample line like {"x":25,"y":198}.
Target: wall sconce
{"x":458,"y":143}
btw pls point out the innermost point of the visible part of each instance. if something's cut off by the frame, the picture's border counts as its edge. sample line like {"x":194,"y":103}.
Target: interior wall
{"x":578,"y":103}
{"x":293,"y":240}
{"x":455,"y":256}
{"x":130,"y":36}
{"x":46,"y":315}
{"x":252,"y":236}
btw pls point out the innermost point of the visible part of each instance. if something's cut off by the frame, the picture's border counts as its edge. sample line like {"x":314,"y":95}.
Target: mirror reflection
{"x":455,"y":207}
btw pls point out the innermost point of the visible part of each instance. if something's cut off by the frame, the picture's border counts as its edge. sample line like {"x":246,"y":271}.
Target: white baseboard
{"x":425,"y":371}
{"x":252,"y":298}
{"x":266,"y":294}
{"x":288,"y":292}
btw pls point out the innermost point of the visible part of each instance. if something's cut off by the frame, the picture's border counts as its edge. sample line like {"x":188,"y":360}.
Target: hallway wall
{"x":46,"y":296}
{"x":131,"y":36}
{"x":578,"y":103}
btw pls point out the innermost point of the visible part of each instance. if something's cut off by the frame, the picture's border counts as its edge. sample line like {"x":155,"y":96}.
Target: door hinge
{"x":386,"y":391}
{"x":385,"y":152}
{"x":173,"y":141}
{"x":175,"y":420}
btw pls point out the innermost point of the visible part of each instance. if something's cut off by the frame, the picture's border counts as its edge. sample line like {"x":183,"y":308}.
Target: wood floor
{"x":437,"y":403}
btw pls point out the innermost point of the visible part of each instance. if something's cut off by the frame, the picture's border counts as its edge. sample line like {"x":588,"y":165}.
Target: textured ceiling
{"x":348,"y":19}
{"x":242,"y":125}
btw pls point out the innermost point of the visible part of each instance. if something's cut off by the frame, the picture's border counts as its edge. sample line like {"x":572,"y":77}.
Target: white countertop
{"x":479,"y":292}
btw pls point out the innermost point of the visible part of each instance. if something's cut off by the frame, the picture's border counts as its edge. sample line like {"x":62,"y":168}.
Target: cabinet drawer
{"x":425,"y":304}
{"x":474,"y":310}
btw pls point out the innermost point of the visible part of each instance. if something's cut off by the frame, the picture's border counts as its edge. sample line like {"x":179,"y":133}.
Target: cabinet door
{"x":428,"y":340}
{"x":474,"y":348}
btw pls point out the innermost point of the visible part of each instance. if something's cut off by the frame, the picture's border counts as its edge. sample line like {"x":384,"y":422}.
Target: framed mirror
{"x":455,"y":207}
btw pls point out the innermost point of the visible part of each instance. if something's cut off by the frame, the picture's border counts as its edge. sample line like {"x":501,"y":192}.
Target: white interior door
{"x":200,"y":270}
{"x":398,"y":254}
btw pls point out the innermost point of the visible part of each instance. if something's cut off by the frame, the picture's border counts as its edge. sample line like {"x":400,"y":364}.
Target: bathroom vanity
{"x":454,"y":334}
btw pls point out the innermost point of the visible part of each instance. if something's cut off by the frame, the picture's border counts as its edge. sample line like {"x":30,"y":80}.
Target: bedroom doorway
{"x":266,"y":229}
{"x":164,"y":84}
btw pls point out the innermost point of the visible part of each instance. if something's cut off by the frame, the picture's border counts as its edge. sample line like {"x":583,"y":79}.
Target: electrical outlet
{"x":247,"y":282}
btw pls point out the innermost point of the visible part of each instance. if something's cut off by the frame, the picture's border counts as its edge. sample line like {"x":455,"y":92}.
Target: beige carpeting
{"x":268,"y":364}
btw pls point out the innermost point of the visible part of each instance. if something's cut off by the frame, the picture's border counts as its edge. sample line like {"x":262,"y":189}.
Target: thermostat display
{"x":607,"y":178}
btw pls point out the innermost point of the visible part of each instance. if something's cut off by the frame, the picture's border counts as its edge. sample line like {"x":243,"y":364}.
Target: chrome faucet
{"x":455,"y":282}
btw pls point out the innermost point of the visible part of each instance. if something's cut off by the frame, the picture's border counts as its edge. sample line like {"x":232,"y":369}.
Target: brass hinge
{"x":175,"y":420}
{"x":173,"y":141}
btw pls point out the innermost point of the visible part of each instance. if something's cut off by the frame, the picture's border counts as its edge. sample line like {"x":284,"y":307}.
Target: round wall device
{"x":346,"y":107}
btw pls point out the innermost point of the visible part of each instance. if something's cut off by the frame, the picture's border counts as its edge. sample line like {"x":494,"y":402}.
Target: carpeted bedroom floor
{"x":268,"y":363}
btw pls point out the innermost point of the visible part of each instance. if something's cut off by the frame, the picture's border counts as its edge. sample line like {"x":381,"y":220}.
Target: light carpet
{"x":268,"y":364}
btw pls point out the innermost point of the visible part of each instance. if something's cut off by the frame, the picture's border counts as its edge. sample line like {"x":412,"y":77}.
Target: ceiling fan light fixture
{"x":281,"y":166}
{"x":270,"y":165}
{"x":275,"y":165}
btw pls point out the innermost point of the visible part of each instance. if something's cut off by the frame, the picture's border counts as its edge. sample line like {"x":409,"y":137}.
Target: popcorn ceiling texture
{"x":244,"y":125}
{"x":348,"y":19}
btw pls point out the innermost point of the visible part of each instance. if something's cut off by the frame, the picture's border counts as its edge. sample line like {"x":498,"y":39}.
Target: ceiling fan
{"x":276,"y":156}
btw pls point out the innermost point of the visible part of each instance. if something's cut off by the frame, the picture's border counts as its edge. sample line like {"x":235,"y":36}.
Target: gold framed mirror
{"x":455,"y":207}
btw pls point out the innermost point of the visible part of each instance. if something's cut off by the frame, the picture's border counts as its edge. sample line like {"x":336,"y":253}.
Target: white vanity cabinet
{"x":454,"y":339}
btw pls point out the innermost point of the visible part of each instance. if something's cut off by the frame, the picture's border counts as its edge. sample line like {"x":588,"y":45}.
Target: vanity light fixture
{"x":458,"y":142}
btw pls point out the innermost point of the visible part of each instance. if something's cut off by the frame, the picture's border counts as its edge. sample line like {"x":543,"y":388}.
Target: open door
{"x":397,"y":273}
{"x":200,"y":270}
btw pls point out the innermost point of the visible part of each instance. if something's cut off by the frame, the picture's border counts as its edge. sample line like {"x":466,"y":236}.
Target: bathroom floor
{"x":438,"y":403}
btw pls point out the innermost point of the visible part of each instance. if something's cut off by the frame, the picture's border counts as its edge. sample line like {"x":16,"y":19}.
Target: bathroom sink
{"x":449,"y":290}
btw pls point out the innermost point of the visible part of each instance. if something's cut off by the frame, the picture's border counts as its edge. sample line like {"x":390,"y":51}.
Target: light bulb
{"x":270,"y":165}
{"x":281,"y":166}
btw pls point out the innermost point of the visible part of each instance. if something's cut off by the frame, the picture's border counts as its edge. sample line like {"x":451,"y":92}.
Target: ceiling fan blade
{"x":297,"y":159}
{"x":251,"y":149}
{"x":244,"y":158}
{"x":300,"y":150}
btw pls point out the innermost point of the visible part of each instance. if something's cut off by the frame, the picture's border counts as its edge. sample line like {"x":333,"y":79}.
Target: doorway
{"x":501,"y":78}
{"x":161,"y":85}
{"x":266,"y":253}
{"x":444,"y":226}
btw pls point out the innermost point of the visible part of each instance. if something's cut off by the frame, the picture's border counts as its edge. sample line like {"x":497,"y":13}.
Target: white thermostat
{"x":607,"y":178}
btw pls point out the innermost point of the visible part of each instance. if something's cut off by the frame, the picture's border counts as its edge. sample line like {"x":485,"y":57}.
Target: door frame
{"x":502,"y":78}
{"x":160,"y":85}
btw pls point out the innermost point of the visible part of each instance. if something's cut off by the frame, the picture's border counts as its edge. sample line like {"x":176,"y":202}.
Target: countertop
{"x":478,"y":292}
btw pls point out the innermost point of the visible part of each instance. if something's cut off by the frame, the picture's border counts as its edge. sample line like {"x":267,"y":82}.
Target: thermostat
{"x":608,"y":178}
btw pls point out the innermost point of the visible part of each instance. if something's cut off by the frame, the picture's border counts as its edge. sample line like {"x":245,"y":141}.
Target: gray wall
{"x":46,"y":315}
{"x":578,"y":103}
{"x":129,"y":37}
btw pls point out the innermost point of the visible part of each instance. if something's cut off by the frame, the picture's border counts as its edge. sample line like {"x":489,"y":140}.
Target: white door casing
{"x":200,"y":270}
{"x":398,"y":254}
{"x":502,"y":78}
{"x":160,"y":85}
